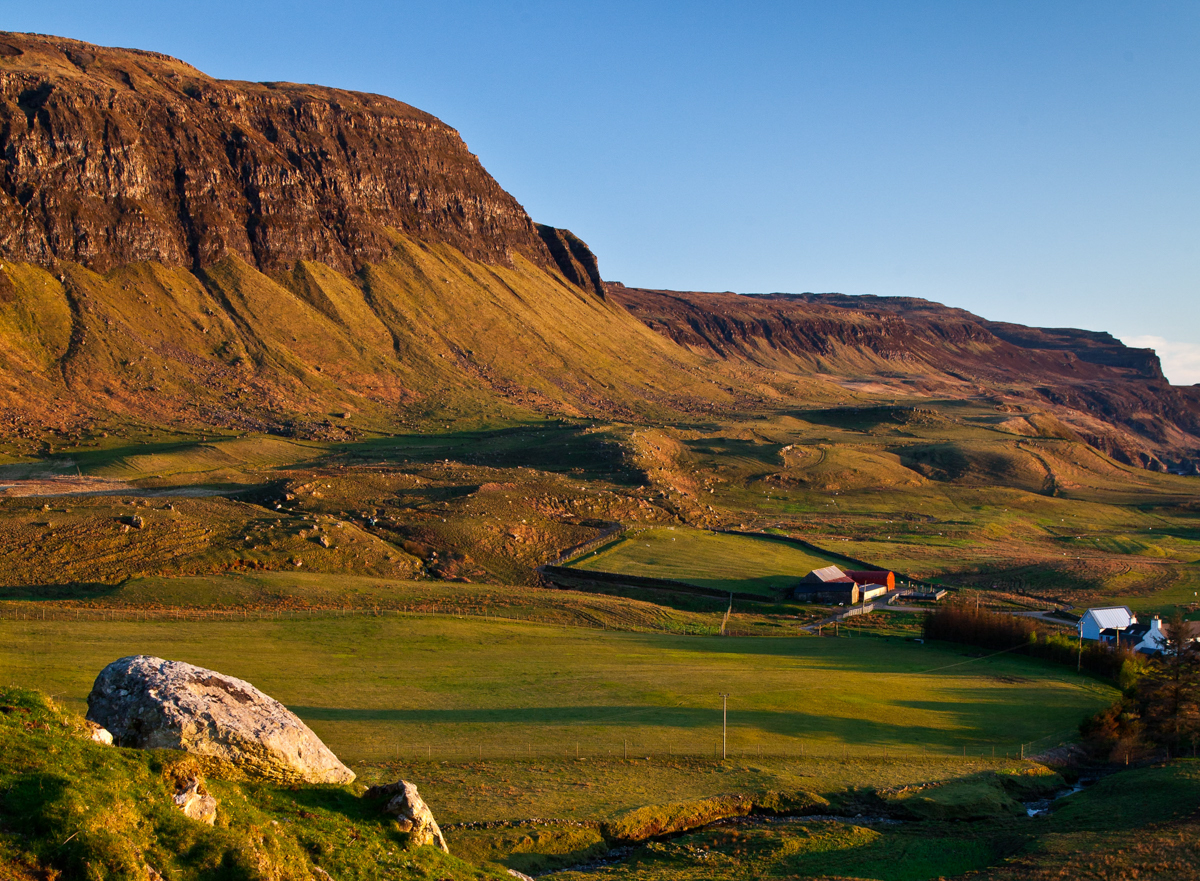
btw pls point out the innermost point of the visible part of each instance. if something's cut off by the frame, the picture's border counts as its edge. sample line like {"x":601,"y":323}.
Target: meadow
{"x":707,"y":559}
{"x":381,"y":688}
{"x":385,"y":588}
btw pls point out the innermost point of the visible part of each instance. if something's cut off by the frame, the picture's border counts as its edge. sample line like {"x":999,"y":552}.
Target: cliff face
{"x":113,"y":156}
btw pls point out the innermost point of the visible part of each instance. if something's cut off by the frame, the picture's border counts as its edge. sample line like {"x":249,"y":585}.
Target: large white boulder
{"x":152,"y":703}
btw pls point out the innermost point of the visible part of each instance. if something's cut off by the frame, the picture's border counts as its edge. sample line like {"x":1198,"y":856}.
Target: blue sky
{"x":1035,"y":162}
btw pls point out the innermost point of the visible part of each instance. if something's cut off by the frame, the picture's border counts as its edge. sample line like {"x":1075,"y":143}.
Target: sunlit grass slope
{"x":426,"y":337}
{"x":707,"y":559}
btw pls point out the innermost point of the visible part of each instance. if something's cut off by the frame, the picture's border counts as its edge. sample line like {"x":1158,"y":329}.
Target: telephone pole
{"x":724,"y":721}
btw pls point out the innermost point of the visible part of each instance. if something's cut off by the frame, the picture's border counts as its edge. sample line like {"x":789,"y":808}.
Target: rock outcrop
{"x":412,"y":814}
{"x":574,"y":258}
{"x":113,"y":156}
{"x":193,"y":799}
{"x":151,"y":703}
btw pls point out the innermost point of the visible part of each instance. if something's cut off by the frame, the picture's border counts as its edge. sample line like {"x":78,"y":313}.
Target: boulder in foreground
{"x":151,"y":703}
{"x":411,"y":812}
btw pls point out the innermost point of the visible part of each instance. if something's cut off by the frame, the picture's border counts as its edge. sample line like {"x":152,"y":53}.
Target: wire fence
{"x":710,"y":749}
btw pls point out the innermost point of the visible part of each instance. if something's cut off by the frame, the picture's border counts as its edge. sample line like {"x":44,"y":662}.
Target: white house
{"x":1094,"y":621}
{"x":1149,"y":638}
{"x":1145,"y":638}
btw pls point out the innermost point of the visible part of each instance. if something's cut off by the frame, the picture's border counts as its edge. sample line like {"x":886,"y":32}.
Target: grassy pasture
{"x":380,"y":688}
{"x":707,"y":559}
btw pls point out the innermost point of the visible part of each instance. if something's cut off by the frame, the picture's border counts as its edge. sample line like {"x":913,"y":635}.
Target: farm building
{"x":1096,"y":621}
{"x":827,"y":585}
{"x":832,"y":585}
{"x":1148,"y":639}
{"x":873,"y":583}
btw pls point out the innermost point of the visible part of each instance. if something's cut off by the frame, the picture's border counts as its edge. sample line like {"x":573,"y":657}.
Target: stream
{"x":1041,"y":807}
{"x":1037,"y":808}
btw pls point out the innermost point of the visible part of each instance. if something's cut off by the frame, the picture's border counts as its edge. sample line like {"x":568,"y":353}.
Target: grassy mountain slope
{"x":426,"y":334}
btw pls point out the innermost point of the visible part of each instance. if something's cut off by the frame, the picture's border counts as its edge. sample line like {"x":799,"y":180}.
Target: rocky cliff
{"x":176,"y":249}
{"x":113,"y":156}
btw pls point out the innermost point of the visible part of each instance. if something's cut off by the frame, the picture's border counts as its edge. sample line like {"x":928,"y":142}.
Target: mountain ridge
{"x":299,"y":259}
{"x":113,"y":156}
{"x":1114,"y":396}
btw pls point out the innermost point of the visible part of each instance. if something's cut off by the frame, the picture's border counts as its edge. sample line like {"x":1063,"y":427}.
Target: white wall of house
{"x":1155,"y":639}
{"x":1095,"y":620}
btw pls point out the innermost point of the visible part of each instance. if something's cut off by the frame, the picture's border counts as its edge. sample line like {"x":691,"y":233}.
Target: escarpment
{"x":177,"y":250}
{"x":1114,"y":396}
{"x":113,"y":156}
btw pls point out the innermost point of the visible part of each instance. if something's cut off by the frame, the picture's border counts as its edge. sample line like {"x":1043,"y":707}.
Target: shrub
{"x":995,"y":630}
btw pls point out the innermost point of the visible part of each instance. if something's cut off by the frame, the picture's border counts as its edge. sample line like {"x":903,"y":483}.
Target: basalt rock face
{"x":150,"y":703}
{"x":573,"y":257}
{"x":1113,"y":396}
{"x":112,"y":156}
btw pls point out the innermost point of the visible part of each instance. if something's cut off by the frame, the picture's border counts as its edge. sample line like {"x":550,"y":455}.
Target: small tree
{"x":1169,"y":694}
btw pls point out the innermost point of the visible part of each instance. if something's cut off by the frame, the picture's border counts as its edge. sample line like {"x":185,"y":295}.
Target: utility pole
{"x":724,"y":721}
{"x":1079,"y":661}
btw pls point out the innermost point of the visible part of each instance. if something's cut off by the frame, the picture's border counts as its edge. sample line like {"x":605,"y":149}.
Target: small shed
{"x":1095,"y":621}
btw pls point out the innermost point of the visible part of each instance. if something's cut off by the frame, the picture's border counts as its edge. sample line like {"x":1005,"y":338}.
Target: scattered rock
{"x":520,"y":875}
{"x":98,"y":733}
{"x":151,"y":703}
{"x":411,"y":813}
{"x":195,"y":802}
{"x":320,"y":874}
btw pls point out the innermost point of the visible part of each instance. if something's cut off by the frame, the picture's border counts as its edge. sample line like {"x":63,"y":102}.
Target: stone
{"x":195,"y":802}
{"x":412,"y":814}
{"x":521,"y":876}
{"x":98,"y":734}
{"x":152,"y":703}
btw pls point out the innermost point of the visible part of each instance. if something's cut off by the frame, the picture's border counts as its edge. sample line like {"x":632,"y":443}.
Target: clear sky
{"x":1036,"y":162}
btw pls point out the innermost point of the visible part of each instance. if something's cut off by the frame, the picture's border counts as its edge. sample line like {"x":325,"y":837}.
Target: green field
{"x":401,"y":687}
{"x":707,"y":559}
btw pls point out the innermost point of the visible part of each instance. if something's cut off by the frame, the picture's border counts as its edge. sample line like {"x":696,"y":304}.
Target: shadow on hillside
{"x":58,"y":592}
{"x":555,"y":447}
